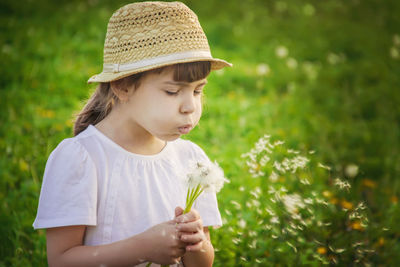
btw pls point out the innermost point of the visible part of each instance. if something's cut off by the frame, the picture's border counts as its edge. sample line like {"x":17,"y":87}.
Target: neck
{"x":129,"y":135}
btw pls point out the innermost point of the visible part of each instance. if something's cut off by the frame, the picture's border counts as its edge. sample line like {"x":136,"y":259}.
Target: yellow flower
{"x":357,"y":226}
{"x":333,"y":200}
{"x":327,"y":194}
{"x":368,"y":183}
{"x":321,"y":250}
{"x":381,"y":241}
{"x":346,"y":204}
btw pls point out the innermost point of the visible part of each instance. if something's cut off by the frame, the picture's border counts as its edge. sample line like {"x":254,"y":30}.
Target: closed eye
{"x":171,"y":92}
{"x":198,"y":92}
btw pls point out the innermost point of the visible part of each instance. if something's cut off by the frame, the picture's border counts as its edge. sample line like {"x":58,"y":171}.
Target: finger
{"x":177,"y":260}
{"x":195,"y":247}
{"x":195,"y":226}
{"x":178,"y":211}
{"x":193,"y":238}
{"x":192,"y":215}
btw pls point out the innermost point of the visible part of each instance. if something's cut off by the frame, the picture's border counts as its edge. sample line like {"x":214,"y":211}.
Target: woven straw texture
{"x":147,"y":35}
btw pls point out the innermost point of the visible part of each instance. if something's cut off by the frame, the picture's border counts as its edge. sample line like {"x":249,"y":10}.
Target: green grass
{"x":341,"y":99}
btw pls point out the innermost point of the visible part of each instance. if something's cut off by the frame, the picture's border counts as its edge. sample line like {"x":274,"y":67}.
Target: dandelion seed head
{"x":351,"y":170}
{"x":291,"y":63}
{"x":263,"y":69}
{"x":281,"y":51}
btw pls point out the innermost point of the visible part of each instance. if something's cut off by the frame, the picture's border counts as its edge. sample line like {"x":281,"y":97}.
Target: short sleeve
{"x":69,"y":190}
{"x":206,"y":204}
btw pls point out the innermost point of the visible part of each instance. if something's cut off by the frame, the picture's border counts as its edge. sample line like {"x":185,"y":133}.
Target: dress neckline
{"x":123,"y":150}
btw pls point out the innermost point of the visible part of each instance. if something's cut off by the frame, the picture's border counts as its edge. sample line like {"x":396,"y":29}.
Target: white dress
{"x":90,"y":180}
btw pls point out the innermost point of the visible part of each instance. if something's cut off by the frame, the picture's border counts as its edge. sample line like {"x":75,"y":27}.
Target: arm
{"x":203,"y":257}
{"x":65,"y":247}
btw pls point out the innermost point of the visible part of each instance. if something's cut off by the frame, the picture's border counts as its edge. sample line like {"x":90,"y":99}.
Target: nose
{"x":187,"y":105}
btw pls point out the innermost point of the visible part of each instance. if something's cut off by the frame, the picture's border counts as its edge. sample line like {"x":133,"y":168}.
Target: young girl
{"x":111,"y":195}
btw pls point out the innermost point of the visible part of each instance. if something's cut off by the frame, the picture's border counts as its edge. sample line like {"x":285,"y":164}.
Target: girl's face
{"x":164,"y":108}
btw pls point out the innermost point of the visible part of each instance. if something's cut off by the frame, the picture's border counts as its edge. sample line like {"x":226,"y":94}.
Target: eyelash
{"x":196,"y":92}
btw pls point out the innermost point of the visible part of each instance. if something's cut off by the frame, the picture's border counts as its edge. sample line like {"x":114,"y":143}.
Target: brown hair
{"x":103,"y":99}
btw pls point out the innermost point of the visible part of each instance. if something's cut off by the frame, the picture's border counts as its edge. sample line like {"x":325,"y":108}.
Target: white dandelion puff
{"x":291,"y":63}
{"x":263,"y":69}
{"x":351,"y":170}
{"x":281,"y":51}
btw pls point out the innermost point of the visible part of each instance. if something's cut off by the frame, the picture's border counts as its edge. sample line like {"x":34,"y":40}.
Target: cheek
{"x":198,"y":111}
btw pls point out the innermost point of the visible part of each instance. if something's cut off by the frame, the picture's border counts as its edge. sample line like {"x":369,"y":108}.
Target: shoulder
{"x":72,"y":147}
{"x":69,"y":161}
{"x":69,"y":155}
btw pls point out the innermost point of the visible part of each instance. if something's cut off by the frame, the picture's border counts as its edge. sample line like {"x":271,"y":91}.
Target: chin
{"x":169,"y":138}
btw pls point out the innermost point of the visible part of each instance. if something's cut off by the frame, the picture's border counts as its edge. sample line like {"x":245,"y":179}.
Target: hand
{"x":164,"y":244}
{"x":190,"y":227}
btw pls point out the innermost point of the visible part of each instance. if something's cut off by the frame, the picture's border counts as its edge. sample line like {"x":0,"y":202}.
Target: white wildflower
{"x":242,"y":223}
{"x":292,"y":202}
{"x":342,"y":184}
{"x":236,"y":204}
{"x":264,"y":159}
{"x":274,"y":220}
{"x":273,"y":177}
{"x":324,"y":166}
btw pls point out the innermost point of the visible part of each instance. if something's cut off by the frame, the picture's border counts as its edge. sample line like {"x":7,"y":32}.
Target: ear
{"x":121,"y":89}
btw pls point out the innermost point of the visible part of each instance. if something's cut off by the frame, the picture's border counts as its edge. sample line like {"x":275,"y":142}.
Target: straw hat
{"x":147,"y":35}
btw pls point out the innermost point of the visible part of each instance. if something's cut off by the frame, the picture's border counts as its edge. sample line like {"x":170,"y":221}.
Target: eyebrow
{"x":182,"y":84}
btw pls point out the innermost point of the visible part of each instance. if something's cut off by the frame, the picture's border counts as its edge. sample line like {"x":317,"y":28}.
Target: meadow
{"x":306,"y":124}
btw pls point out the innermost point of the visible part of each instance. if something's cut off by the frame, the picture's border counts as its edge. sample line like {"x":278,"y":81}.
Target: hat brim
{"x":216,"y":64}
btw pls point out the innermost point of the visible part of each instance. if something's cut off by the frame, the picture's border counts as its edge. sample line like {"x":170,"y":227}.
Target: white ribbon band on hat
{"x":114,"y":68}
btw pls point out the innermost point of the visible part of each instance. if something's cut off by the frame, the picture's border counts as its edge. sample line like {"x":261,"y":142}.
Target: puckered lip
{"x":184,"y":129}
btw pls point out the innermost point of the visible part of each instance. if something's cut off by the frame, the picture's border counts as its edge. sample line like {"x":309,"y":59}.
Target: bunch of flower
{"x":201,"y":178}
{"x":297,"y":213}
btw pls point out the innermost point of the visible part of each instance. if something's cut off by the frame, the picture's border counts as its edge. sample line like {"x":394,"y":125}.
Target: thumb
{"x":178,"y":211}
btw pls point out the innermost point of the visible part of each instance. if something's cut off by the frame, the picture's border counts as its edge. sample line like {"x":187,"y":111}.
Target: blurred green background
{"x":320,"y":75}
